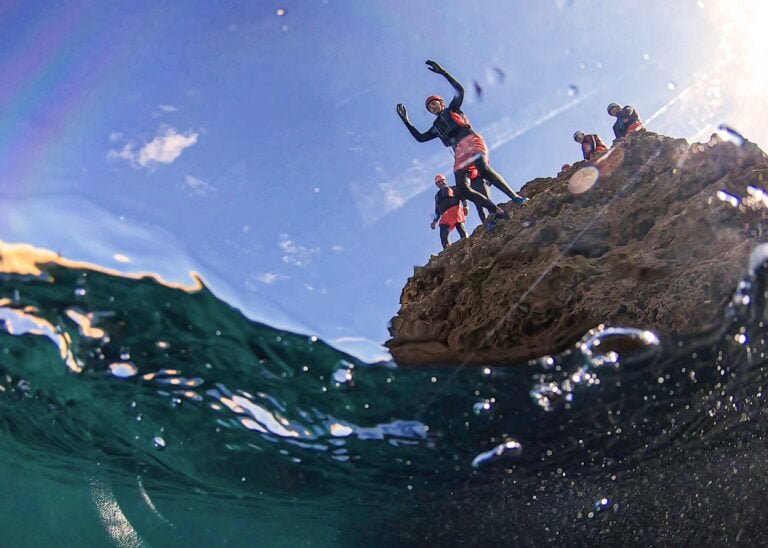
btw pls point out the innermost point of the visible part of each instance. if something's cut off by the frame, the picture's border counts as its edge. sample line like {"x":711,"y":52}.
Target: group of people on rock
{"x":627,"y":121}
{"x":472,"y":171}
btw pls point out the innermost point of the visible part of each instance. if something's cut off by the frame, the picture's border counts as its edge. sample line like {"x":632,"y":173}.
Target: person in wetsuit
{"x":627,"y":120}
{"x":591,"y":145}
{"x":453,"y":129}
{"x":450,"y":211}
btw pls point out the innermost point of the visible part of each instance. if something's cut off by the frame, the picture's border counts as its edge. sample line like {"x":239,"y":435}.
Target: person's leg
{"x":444,"y":231}
{"x":479,"y":185}
{"x":494,"y":178}
{"x":464,"y":191}
{"x":461,"y":228}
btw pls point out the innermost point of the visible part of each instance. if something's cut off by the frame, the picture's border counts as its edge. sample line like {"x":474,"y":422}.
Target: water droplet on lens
{"x":727,"y":133}
{"x":158,"y":442}
{"x":583,"y":179}
{"x":646,"y":56}
{"x":80,"y":292}
{"x":280,"y":12}
{"x":728,"y":198}
{"x":573,"y":90}
{"x":582,"y":66}
{"x":671,"y":85}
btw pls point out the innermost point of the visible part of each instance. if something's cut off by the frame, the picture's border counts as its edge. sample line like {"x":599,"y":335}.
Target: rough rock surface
{"x":652,"y":244}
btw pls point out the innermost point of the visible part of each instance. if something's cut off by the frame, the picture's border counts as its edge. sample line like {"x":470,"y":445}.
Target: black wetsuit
{"x":445,"y":199}
{"x":451,"y":126}
{"x":480,"y":185}
{"x":626,"y":117}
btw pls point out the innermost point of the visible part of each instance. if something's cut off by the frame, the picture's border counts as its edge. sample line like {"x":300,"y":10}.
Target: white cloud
{"x":268,"y":278}
{"x":126,"y":153}
{"x":164,"y":109}
{"x":165,"y":148}
{"x":198,"y":186}
{"x":115,"y":136}
{"x":297,"y":255}
{"x":337,"y":248}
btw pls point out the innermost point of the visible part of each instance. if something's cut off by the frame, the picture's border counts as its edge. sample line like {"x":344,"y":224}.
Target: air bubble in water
{"x":609,"y":345}
{"x":602,"y":504}
{"x":344,"y":376}
{"x":482,"y":406}
{"x":123,"y":369}
{"x":158,"y":442}
{"x":547,"y":395}
{"x":508,"y":449}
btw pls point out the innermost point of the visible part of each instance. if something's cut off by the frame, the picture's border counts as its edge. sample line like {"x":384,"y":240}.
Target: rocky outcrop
{"x":659,"y":241}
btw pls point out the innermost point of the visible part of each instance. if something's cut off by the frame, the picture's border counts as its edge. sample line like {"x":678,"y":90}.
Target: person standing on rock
{"x":452,"y":127}
{"x":592,"y":146}
{"x":450,"y":211}
{"x":627,"y":120}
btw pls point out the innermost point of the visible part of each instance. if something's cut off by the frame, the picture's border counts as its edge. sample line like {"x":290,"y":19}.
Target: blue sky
{"x":257,"y":142}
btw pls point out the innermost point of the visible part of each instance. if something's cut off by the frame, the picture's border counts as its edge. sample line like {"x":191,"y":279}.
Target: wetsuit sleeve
{"x":458,"y":99}
{"x":419,"y":136}
{"x":436,"y":214}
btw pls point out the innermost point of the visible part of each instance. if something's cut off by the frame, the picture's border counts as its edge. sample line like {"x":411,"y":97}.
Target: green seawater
{"x":137,"y":413}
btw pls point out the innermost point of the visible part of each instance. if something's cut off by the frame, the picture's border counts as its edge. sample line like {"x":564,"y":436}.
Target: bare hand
{"x":401,"y":111}
{"x":434,"y":66}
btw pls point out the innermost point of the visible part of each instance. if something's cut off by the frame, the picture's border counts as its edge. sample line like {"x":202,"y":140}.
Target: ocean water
{"x":139,"y":413}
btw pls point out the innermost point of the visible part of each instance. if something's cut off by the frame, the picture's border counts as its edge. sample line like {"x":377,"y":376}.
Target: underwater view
{"x":228,"y":316}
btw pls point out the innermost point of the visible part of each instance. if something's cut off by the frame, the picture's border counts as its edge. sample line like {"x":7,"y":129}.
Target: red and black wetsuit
{"x":627,"y":121}
{"x":453,"y":129}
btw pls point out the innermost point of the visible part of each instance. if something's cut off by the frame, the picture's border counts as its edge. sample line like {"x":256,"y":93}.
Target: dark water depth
{"x":135,"y":413}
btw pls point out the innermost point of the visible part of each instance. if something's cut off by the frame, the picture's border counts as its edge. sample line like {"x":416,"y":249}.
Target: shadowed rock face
{"x":649,"y":245}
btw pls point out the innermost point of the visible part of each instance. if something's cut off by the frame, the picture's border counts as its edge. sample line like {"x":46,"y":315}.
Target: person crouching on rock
{"x":452,"y":127}
{"x":627,"y":120}
{"x":450,"y":211}
{"x":592,"y":146}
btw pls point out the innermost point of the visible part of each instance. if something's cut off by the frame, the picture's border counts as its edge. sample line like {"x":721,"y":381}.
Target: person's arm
{"x":616,"y":132}
{"x":419,"y":136}
{"x":458,"y":98}
{"x":436,"y":214}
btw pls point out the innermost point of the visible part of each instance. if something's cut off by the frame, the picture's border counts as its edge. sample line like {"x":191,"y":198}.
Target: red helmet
{"x":432,"y":98}
{"x":439,"y":177}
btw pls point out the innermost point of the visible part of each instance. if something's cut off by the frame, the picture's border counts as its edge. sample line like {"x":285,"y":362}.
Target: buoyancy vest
{"x":445,"y":199}
{"x":591,"y":144}
{"x":452,"y":126}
